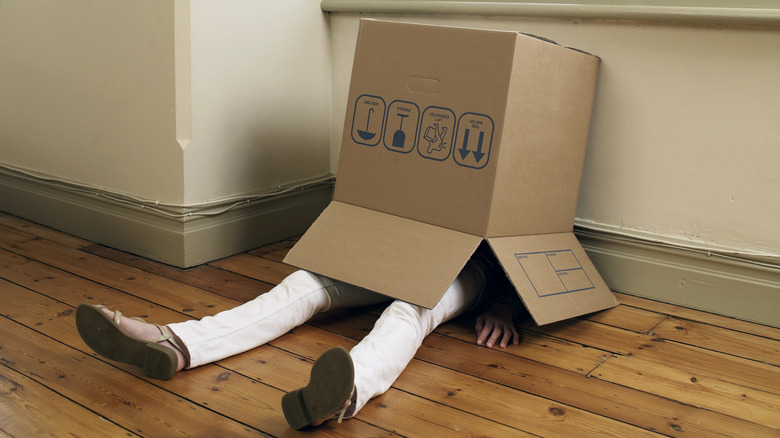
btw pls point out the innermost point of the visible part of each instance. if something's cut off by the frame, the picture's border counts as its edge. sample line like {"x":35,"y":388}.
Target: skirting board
{"x":737,"y":287}
{"x":174,"y":241}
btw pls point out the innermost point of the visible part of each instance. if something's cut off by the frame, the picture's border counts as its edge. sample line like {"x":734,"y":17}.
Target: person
{"x":341,"y":382}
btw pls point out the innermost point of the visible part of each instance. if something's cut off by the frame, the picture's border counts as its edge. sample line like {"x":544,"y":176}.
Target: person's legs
{"x":292,"y":302}
{"x":386,"y":351}
{"x":288,"y":305}
{"x":377,"y":361}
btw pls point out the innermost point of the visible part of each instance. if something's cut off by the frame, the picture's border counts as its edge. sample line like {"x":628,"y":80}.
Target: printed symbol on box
{"x":554,"y":272}
{"x":435,"y":138}
{"x":367,"y":120}
{"x":473,"y":140}
{"x":402,"y":118}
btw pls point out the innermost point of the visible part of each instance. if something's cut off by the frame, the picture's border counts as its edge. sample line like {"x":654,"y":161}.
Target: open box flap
{"x":553,"y":276}
{"x":404,"y":259}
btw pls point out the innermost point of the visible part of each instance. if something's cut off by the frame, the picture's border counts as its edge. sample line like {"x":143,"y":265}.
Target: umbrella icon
{"x":365,"y":134}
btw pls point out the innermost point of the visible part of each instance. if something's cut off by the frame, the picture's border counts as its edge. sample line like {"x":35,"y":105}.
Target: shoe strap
{"x":166,"y":335}
{"x":349,"y":405}
{"x":118,"y":315}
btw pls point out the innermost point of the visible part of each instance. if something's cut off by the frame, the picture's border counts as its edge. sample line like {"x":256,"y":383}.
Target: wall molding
{"x":737,"y":13}
{"x":746,"y":288}
{"x":181,"y":240}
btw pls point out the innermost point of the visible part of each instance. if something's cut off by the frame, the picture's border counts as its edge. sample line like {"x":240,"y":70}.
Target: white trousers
{"x":378,"y":359}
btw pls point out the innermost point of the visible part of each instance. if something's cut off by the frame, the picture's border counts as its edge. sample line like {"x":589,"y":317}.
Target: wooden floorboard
{"x":643,"y":368}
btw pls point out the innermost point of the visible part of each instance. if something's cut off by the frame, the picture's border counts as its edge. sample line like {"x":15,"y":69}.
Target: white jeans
{"x":378,"y":359}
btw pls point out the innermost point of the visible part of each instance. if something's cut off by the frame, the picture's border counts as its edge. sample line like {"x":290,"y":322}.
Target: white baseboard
{"x":182,"y":242}
{"x":739,"y":287}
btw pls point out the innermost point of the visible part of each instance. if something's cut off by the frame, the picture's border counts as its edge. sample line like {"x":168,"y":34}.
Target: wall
{"x":87,"y":92}
{"x":685,"y":138}
{"x":172,"y":129}
{"x":260,"y":96}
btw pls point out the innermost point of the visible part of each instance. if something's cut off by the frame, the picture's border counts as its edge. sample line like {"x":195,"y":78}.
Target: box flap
{"x":553,"y":276}
{"x":404,"y":259}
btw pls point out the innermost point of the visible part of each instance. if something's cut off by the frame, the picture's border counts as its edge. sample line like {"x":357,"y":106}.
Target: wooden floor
{"x":643,"y":368}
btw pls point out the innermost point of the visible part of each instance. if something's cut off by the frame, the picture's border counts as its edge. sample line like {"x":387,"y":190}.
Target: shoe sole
{"x":107,"y":339}
{"x":330,"y":385}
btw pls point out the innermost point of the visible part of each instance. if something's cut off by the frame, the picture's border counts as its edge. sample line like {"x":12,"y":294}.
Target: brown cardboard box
{"x":453,"y":136}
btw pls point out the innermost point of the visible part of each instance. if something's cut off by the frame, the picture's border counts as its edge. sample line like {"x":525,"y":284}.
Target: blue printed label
{"x":367,"y":120}
{"x":401,"y":126}
{"x":473,"y":140}
{"x":554,"y":272}
{"x":436,"y":130}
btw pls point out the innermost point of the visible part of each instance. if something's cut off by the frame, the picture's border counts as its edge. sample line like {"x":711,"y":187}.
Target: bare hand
{"x":496,"y":323}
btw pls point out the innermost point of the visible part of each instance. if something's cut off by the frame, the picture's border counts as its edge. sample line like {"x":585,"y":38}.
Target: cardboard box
{"x":453,"y":136}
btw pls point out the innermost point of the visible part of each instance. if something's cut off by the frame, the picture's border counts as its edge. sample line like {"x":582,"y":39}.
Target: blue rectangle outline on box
{"x":558,"y":272}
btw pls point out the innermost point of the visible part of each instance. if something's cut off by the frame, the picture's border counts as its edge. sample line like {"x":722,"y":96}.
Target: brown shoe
{"x":104,"y":335}
{"x":331,"y":386}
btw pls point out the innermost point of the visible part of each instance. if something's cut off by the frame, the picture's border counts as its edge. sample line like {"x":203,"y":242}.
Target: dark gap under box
{"x":453,"y":136}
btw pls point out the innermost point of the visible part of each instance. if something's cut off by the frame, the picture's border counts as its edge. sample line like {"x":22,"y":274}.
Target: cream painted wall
{"x":685,"y":139}
{"x":260,"y":96}
{"x":87,"y":93}
{"x":174,"y":101}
